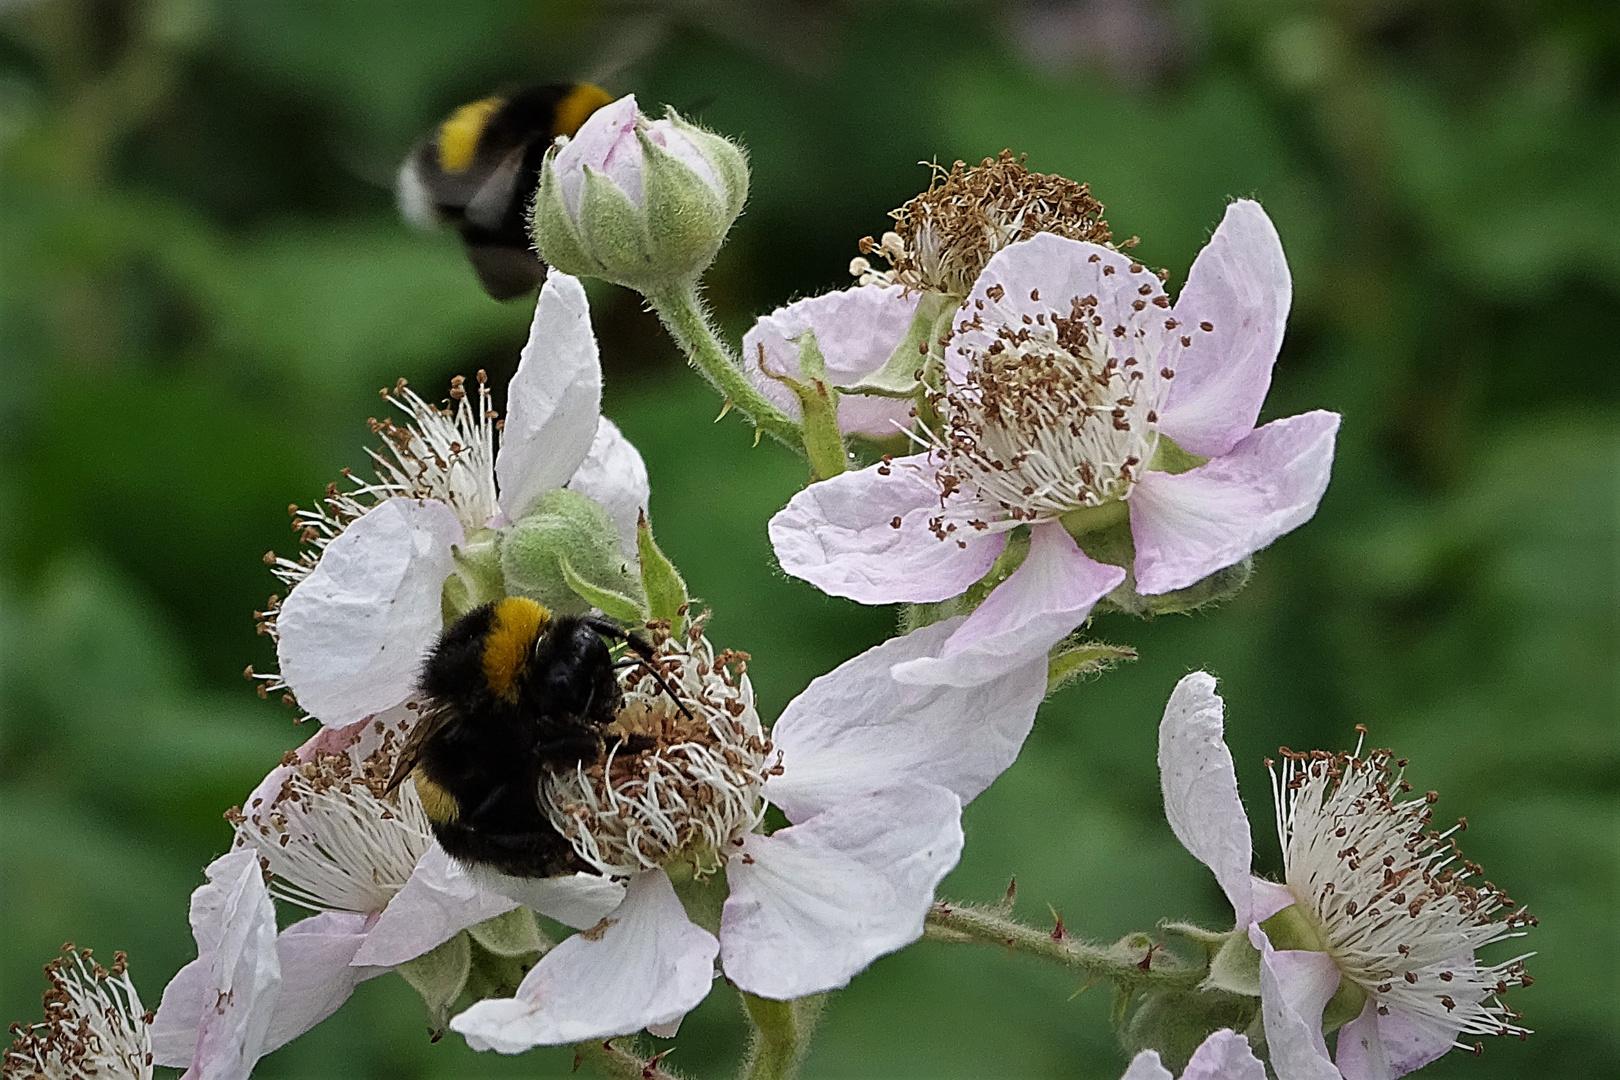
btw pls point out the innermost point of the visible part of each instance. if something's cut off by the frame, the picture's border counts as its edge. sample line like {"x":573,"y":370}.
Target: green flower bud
{"x":565,"y":553}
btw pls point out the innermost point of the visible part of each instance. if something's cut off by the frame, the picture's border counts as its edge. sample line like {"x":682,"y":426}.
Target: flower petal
{"x":577,"y":900}
{"x":437,"y":901}
{"x":1147,"y":1066}
{"x":648,"y":965}
{"x":856,"y":330}
{"x":1360,"y":1051}
{"x":317,"y":975}
{"x":614,"y":475}
{"x":855,"y":731}
{"x":1200,"y":789}
{"x":1050,"y":594}
{"x":1189,"y":525}
{"x":1373,"y":1047}
{"x":554,"y":401}
{"x":217,"y":1016}
{"x":1239,"y":285}
{"x":1295,"y":987}
{"x":608,"y":133}
{"x":839,"y":536}
{"x":352,"y":634}
{"x":1269,"y":898}
{"x":1225,"y":1055}
{"x":813,"y":904}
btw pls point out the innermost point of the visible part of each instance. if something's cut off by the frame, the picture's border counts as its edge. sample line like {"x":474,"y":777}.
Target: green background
{"x":203,"y":282}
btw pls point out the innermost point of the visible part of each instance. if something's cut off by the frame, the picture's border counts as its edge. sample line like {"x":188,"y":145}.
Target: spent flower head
{"x":95,"y":1027}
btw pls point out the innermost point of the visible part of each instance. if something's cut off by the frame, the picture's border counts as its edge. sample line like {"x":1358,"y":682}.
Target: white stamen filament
{"x":94,"y":1027}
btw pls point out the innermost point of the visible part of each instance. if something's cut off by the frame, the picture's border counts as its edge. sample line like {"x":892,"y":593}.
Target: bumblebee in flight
{"x":479,"y":169}
{"x":511,"y":691}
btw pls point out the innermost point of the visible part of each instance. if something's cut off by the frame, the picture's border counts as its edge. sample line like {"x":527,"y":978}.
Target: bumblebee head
{"x":515,"y":627}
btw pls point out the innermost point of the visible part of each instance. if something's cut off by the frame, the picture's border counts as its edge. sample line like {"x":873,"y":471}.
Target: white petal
{"x":813,"y":904}
{"x":1147,"y":1066}
{"x":1360,"y":1051}
{"x":553,"y":402}
{"x":856,"y":329}
{"x":1373,"y":1047}
{"x":1225,"y":1055}
{"x":1189,"y":525}
{"x":1239,"y":285}
{"x":354,"y":632}
{"x":1050,"y":593}
{"x":577,"y":900}
{"x":614,"y":475}
{"x":1200,"y":789}
{"x":1269,"y":898}
{"x":217,"y":1012}
{"x":649,"y":966}
{"x":1295,"y":987}
{"x":856,"y":730}
{"x":437,"y":901}
{"x":840,"y":536}
{"x":317,"y":975}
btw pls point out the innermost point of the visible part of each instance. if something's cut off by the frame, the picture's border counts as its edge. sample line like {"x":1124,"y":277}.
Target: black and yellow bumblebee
{"x":478,"y":171}
{"x":510,"y":691}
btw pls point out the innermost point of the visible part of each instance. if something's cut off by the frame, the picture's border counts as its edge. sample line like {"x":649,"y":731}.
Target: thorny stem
{"x":1133,"y":963}
{"x":781,"y":1035}
{"x":683,"y":316}
{"x":618,"y":1063}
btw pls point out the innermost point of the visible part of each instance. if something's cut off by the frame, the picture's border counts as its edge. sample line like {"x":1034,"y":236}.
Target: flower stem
{"x":617,"y":1063}
{"x":1133,"y":962}
{"x":683,"y":316}
{"x":781,"y":1035}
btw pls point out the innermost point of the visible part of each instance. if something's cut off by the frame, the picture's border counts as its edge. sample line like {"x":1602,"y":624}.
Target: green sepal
{"x":898,"y":375}
{"x":613,"y":604}
{"x":492,"y":975}
{"x":916,"y":616}
{"x":686,"y":220}
{"x":554,"y":232}
{"x":1235,"y":967}
{"x":663,"y":584}
{"x":728,"y":160}
{"x":1073,"y":657}
{"x":818,"y":404}
{"x":1174,"y":1022}
{"x":512,"y":934}
{"x":614,"y":232}
{"x":477,"y":577}
{"x":439,"y":976}
{"x":565,"y":525}
{"x":1294,"y":927}
{"x":1171,"y":458}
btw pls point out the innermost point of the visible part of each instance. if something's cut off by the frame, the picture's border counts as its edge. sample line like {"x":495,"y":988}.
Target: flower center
{"x":1395,"y":900}
{"x":328,"y":833}
{"x":1049,"y":418}
{"x":673,"y":788}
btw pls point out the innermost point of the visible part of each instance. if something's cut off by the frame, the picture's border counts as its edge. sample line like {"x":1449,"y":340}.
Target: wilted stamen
{"x":94,"y":1025}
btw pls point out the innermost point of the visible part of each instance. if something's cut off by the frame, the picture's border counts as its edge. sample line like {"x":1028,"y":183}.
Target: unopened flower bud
{"x":565,"y":553}
{"x":642,"y":203}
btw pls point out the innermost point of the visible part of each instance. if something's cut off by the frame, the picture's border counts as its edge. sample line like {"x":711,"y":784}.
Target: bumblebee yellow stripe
{"x":576,"y":107}
{"x":459,"y":135}
{"x":517,"y":623}
{"x":440,"y":806}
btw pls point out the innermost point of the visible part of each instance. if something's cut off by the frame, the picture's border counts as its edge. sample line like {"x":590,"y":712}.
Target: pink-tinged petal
{"x":855,"y":731}
{"x":1225,"y":1055}
{"x":1373,"y":1047}
{"x":577,"y":900}
{"x":648,"y":965}
{"x":607,"y":137}
{"x":1189,"y":525}
{"x":352,"y":634}
{"x":813,"y":904}
{"x":1041,"y":278}
{"x":839,"y":535}
{"x":856,"y":330}
{"x":1295,"y":987}
{"x":554,"y":401}
{"x":614,"y":475}
{"x":1147,"y":1066}
{"x":317,"y":975}
{"x":1200,"y":789}
{"x":216,"y":1020}
{"x":1239,"y":286}
{"x":1050,"y":593}
{"x":1269,"y":898}
{"x":1360,"y":1051}
{"x":437,"y":901}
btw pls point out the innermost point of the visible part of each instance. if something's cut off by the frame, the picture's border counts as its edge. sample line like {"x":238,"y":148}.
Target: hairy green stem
{"x":683,"y":316}
{"x":617,"y":1063}
{"x":781,"y":1035}
{"x":1132,"y":963}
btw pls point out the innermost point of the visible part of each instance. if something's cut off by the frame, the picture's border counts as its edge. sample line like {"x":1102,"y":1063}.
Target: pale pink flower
{"x":1067,"y":372}
{"x":1225,"y":1055}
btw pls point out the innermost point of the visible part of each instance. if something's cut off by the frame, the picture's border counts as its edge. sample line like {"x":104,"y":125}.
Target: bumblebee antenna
{"x":643,"y":649}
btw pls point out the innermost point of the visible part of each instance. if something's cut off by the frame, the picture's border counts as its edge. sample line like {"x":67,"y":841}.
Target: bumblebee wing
{"x":411,"y":753}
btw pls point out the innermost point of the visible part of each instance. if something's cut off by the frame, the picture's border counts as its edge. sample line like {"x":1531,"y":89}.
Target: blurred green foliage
{"x":202,"y":282}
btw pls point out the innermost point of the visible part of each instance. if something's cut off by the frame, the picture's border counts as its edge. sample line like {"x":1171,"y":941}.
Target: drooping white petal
{"x":554,"y":401}
{"x":1147,"y":1066}
{"x":1239,"y":286}
{"x":840,"y":536}
{"x":1295,"y":987}
{"x":813,"y":904}
{"x":1360,"y":1053}
{"x":856,"y":330}
{"x":855,"y":730}
{"x":217,"y":1017}
{"x":578,"y":900}
{"x":1225,"y":1055}
{"x":1189,"y":525}
{"x":1374,"y":1047}
{"x":438,"y":901}
{"x":1050,"y":593}
{"x":352,"y":635}
{"x":648,"y":964}
{"x":1200,"y":789}
{"x":317,"y":972}
{"x":614,"y":475}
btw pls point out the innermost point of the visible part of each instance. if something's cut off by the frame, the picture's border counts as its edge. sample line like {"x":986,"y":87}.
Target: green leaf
{"x":439,"y":976}
{"x":665,"y":589}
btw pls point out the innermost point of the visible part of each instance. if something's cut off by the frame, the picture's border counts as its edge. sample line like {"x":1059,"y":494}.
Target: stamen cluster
{"x":94,"y":1025}
{"x":672,"y":786}
{"x":1399,"y":906}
